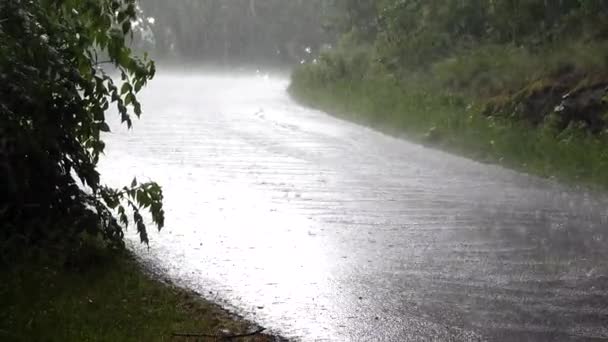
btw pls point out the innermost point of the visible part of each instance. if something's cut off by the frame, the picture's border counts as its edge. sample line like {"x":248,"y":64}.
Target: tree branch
{"x":124,"y":191}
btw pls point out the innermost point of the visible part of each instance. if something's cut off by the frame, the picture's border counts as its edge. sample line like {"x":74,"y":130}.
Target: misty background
{"x":251,"y":32}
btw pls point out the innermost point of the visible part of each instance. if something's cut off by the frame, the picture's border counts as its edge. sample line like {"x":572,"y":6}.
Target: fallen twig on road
{"x":220,"y":337}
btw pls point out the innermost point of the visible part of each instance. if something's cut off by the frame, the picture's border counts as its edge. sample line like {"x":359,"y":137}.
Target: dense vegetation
{"x":237,"y":31}
{"x":54,"y":95}
{"x":520,"y":82}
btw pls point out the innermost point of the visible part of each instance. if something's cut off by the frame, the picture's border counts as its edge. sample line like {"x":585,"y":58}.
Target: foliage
{"x":492,"y":51}
{"x":54,"y":96}
{"x":415,"y":33}
{"x":337,"y":64}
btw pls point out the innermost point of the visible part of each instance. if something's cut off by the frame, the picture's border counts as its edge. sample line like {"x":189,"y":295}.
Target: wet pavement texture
{"x":320,"y":229}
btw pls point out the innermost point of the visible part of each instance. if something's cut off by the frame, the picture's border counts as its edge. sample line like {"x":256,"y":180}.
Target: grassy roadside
{"x":448,"y":123}
{"x":105,"y":297}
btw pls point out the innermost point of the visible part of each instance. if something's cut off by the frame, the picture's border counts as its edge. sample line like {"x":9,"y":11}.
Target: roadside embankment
{"x":550,"y":122}
{"x":108,"y":296}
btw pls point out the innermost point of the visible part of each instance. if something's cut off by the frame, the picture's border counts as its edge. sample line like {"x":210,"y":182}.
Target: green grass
{"x":449,"y":123}
{"x":113,"y":299}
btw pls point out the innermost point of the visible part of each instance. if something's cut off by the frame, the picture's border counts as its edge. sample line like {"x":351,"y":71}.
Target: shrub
{"x":53,"y":99}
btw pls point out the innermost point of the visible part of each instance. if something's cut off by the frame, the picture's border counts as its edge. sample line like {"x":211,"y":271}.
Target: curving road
{"x":324,"y":230}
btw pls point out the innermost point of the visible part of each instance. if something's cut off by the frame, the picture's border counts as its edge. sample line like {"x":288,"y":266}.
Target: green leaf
{"x":137,"y":108}
{"x":126,"y":87}
{"x":129,"y":99}
{"x":134,"y":183}
{"x":104,"y":127}
{"x":124,"y":58}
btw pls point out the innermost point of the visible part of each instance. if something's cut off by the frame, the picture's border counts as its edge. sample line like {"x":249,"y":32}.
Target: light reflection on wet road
{"x":325,"y":230}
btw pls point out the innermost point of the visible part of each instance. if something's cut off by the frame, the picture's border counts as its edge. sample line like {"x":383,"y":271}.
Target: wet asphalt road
{"x":320,"y":229}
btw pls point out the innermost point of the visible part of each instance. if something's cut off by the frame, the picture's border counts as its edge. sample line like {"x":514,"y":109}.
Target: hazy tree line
{"x":239,"y":30}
